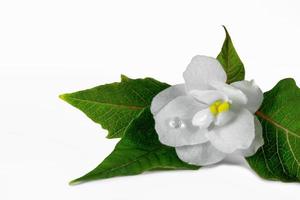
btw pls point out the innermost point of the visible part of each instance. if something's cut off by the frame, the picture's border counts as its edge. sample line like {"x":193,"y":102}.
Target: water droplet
{"x":176,"y":123}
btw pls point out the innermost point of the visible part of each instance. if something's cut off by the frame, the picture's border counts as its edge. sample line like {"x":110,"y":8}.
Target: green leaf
{"x":279,"y":157}
{"x":138,"y":151}
{"x":115,"y":105}
{"x":231,"y":61}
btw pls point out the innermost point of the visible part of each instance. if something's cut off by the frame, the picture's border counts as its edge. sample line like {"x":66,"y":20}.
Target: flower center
{"x":219,"y":106}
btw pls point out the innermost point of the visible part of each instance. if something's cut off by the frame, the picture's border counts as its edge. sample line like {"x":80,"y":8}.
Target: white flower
{"x":206,"y":119}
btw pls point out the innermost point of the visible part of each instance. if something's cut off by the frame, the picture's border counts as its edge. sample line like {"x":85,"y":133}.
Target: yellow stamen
{"x":218,"y":102}
{"x":219,"y":107}
{"x":223,"y":107}
{"x":213,"y":109}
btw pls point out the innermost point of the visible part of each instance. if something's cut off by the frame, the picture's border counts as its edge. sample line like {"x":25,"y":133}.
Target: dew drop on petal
{"x":176,"y":123}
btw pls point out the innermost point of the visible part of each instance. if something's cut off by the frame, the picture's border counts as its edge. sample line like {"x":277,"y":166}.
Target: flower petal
{"x":234,"y":94}
{"x":238,"y":134}
{"x":165,"y":96}
{"x":224,"y":118}
{"x":201,"y":71}
{"x":203,"y":118}
{"x":208,"y":96}
{"x":253,"y":93}
{"x":257,"y":142}
{"x":173,"y":123}
{"x":200,"y":154}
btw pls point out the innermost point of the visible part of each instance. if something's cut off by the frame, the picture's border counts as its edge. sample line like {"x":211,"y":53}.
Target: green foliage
{"x":231,"y":61}
{"x":138,"y":151}
{"x":115,"y":105}
{"x":123,"y":109}
{"x":279,"y":157}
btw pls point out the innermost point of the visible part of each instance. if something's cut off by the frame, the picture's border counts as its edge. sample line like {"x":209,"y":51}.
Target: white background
{"x":52,"y":47}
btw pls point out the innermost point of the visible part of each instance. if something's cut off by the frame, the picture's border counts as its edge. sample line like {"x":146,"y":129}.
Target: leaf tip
{"x":226,"y":31}
{"x":63,"y":97}
{"x":75,"y":182}
{"x":108,"y":136}
{"x":124,"y":78}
